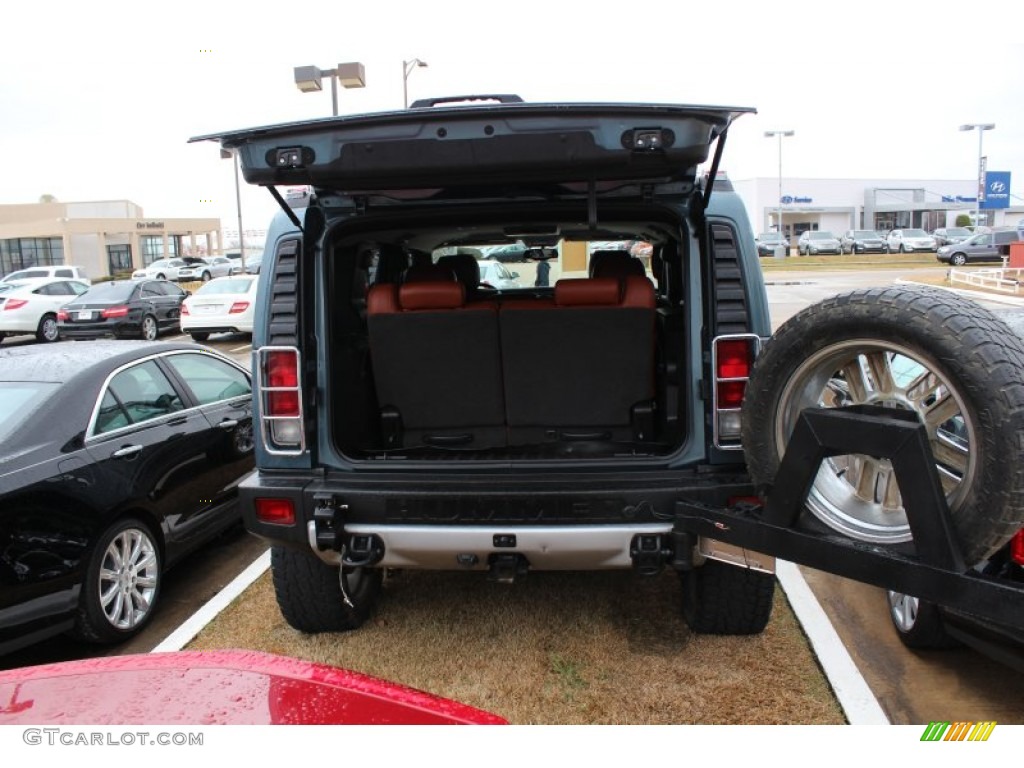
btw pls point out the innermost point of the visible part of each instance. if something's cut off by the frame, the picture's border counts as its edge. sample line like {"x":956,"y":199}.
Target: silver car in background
{"x":908,"y":240}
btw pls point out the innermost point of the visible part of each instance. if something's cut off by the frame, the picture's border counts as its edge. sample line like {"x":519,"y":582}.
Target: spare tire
{"x":945,"y":357}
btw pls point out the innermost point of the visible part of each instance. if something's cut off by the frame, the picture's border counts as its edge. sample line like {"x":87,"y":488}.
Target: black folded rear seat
{"x":580,"y":366}
{"x":437,"y":366}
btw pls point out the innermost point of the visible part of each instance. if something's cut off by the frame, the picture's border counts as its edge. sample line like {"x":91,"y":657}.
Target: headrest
{"x":588,"y":292}
{"x":599,"y":258}
{"x":419,"y":273}
{"x":413,"y":296}
{"x":382,"y":299}
{"x":619,"y":267}
{"x":466,"y":269}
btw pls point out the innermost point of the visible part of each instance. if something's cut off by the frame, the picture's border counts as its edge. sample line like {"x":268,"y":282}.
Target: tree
{"x":47,"y":199}
{"x":963,"y":220}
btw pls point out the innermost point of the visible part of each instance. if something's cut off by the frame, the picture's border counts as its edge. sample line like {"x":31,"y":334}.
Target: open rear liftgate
{"x":931,"y":568}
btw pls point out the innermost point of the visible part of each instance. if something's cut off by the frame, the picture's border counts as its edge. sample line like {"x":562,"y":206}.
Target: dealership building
{"x":837,"y":205}
{"x":104,"y":237}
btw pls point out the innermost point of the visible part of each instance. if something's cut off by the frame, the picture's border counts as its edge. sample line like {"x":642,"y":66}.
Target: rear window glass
{"x":110,"y":291}
{"x":234,"y":285}
{"x":19,"y":400}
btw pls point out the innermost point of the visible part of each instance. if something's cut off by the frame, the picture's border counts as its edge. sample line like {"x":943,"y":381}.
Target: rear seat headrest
{"x":599,"y":260}
{"x":588,"y":292}
{"x":619,"y":267}
{"x":438,"y":295}
{"x":419,"y":273}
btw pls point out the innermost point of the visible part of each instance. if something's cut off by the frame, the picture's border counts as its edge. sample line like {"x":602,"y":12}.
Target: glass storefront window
{"x":24,"y":252}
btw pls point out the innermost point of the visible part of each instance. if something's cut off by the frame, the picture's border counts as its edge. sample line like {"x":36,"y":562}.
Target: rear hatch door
{"x":465,"y":150}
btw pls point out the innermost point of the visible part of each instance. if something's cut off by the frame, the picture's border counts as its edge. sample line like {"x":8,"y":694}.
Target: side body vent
{"x":730,"y":297}
{"x":284,"y":306}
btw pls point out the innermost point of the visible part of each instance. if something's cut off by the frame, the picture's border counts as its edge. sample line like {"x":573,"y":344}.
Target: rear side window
{"x":210,"y":380}
{"x":135,"y":395}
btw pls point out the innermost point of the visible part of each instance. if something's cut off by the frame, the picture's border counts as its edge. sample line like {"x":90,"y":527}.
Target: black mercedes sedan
{"x":116,"y":459}
{"x":136,"y":309}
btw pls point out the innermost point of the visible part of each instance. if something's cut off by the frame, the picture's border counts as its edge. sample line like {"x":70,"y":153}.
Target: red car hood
{"x":217,"y":688}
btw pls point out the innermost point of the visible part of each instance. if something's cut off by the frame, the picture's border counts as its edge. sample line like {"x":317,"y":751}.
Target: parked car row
{"x":953,"y":245}
{"x":188,"y":268}
{"x":54,"y":309}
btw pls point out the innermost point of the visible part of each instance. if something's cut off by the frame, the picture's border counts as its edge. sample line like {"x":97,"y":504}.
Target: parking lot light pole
{"x":780,"y":134}
{"x":407,"y":68}
{"x":982,"y":127}
{"x":351,"y":75}
{"x":225,"y":154}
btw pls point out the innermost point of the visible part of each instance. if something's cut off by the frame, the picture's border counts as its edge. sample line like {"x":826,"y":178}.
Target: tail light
{"x":15,"y":303}
{"x":109,"y":312}
{"x":275,"y":511}
{"x":62,"y":315}
{"x":280,"y":384}
{"x":1017,"y":547}
{"x":238,"y":306}
{"x":732,"y":359}
{"x":184,"y":310}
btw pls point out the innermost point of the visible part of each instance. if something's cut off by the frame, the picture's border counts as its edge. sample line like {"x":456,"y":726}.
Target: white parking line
{"x":241,"y":348}
{"x":855,"y":696}
{"x":183,"y":635}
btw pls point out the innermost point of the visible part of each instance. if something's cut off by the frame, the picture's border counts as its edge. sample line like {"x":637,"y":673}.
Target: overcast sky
{"x":98,"y":99}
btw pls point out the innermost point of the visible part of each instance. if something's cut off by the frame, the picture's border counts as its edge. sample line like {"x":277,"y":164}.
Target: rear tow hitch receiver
{"x":363,"y":550}
{"x":506,"y":567}
{"x":649,"y":553}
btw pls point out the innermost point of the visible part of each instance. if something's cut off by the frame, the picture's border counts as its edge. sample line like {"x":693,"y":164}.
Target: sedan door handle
{"x":228,"y":424}
{"x":128,"y":450}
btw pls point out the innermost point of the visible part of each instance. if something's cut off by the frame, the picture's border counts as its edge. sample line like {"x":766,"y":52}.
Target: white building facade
{"x":837,"y":205}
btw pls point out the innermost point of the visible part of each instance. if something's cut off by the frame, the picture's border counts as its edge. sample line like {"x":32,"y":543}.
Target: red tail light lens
{"x":734,"y":359}
{"x":62,"y":315}
{"x":730,"y":393}
{"x":275,"y":511}
{"x":282,"y":403}
{"x":282,"y":369}
{"x":114,"y":312}
{"x":184,"y":310}
{"x":1017,"y":548}
{"x":238,"y":306}
{"x":15,"y":303}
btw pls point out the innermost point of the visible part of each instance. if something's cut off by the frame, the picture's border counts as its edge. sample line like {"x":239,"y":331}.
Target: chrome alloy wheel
{"x":858,"y":495}
{"x":128,"y":579}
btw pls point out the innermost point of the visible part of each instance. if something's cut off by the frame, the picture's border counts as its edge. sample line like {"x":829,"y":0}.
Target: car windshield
{"x":914,"y":233}
{"x":957,"y":232}
{"x":769,"y":237}
{"x":228,"y":285}
{"x":18,"y":401}
{"x":865,"y":233}
{"x":821,"y":236}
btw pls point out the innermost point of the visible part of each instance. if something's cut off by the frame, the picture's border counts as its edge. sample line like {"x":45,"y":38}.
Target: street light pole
{"x":226,"y":153}
{"x":780,"y":134}
{"x":982,"y":127}
{"x":407,"y":68}
{"x":351,"y":75}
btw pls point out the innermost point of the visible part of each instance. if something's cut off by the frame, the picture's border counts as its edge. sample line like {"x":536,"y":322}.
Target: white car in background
{"x":30,"y":306}
{"x":207,"y":269}
{"x":162,"y":269}
{"x":907,"y":240}
{"x":62,"y":271}
{"x":494,"y":274}
{"x":222,"y":305}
